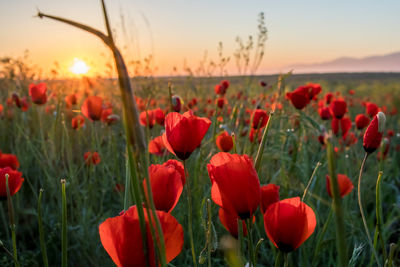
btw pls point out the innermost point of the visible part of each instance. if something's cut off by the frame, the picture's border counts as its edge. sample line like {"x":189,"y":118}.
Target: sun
{"x":79,"y":67}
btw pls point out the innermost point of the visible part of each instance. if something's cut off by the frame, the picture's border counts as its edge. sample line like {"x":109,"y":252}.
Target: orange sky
{"x":179,"y":31}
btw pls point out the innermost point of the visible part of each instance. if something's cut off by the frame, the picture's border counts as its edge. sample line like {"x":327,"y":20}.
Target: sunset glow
{"x":79,"y":67}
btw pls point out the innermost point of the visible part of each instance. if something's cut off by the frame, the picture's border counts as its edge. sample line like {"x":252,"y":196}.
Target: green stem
{"x":286,"y":256}
{"x":64,"y":240}
{"x":41,"y":232}
{"x":310,"y":181}
{"x":250,"y":243}
{"x":209,"y":233}
{"x":189,"y":199}
{"x":240,"y":237}
{"x":262,"y":144}
{"x":379,"y":219}
{"x":278,"y":259}
{"x":362,"y":211}
{"x":322,"y":235}
{"x":12,"y":223}
{"x":337,"y":205}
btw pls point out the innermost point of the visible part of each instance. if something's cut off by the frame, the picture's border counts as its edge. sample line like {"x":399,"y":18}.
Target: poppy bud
{"x":374,"y":132}
{"x":177,"y":103}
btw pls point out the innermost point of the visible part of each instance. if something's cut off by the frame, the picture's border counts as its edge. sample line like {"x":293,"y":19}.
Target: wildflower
{"x":92,"y":108}
{"x":121,"y":237}
{"x":235,"y":184}
{"x":344,"y":182}
{"x":374,"y":132}
{"x":91,"y":158}
{"x":183,"y":133}
{"x":37,"y":93}
{"x":269,"y":195}
{"x":288,"y":223}
{"x":224,"y":141}
{"x":15,"y":181}
{"x":77,"y":122}
{"x":362,"y":121}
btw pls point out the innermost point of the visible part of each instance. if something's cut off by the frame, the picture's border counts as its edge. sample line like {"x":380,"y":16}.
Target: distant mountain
{"x":384,"y":63}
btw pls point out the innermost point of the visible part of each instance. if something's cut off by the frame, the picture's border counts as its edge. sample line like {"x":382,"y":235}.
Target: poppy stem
{"x":379,"y":220}
{"x":262,"y":144}
{"x":64,"y":240}
{"x":41,"y":232}
{"x":250,"y":242}
{"x":278,"y":259}
{"x":286,"y":257}
{"x":310,"y":181}
{"x":322,"y":235}
{"x":362,"y":211}
{"x":12,"y":223}
{"x":209,"y":232}
{"x":189,"y":199}
{"x":337,"y":206}
{"x":240,"y":237}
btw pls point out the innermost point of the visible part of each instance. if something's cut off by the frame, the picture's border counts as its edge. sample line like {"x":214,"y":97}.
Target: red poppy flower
{"x":314,"y":90}
{"x":263,"y":84}
{"x":9,"y":160}
{"x":362,"y":121}
{"x":288,"y":223}
{"x":225,"y":84}
{"x":230,"y":222}
{"x":91,"y":158}
{"x":77,"y":122}
{"x":178,"y":166}
{"x":351,"y":92}
{"x":122,"y":239}
{"x":374,"y":132}
{"x":259,"y":118}
{"x":220,"y":102}
{"x":235,"y":184}
{"x":159,"y":116}
{"x":299,"y":97}
{"x":344,"y":182}
{"x":345,"y":125}
{"x":338,"y":108}
{"x":371,"y":109}
{"x":1,"y":110}
{"x":254,"y":132}
{"x":37,"y":93}
{"x":156,"y":146}
{"x":269,"y":195}
{"x":92,"y":108}
{"x":328,"y":98}
{"x":71,"y":100}
{"x":166,"y":185}
{"x":177,"y":103}
{"x":15,"y":181}
{"x":147,"y":118}
{"x":324,"y":113}
{"x":224,"y":141}
{"x":183,"y":133}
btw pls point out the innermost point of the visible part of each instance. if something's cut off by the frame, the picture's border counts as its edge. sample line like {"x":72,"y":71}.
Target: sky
{"x":179,"y":32}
